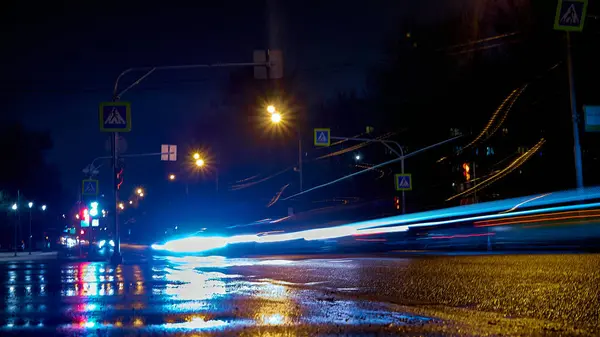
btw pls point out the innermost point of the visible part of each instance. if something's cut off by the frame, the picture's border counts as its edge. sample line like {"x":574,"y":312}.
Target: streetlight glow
{"x":199,"y":162}
{"x":275,"y":117}
{"x":43,"y":207}
{"x":357,"y":157}
{"x":196,"y":155}
{"x":121,"y":206}
{"x":171,"y":177}
{"x":14,"y":207}
{"x":131,"y":202}
{"x":30,"y":204}
{"x":140,"y":191}
{"x":141,"y":195}
{"x":271,"y":109}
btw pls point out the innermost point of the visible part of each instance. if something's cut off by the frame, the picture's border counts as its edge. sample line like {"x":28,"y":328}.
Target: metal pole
{"x":475,"y":178}
{"x":16,"y":218}
{"x":402,"y":171}
{"x":574,"y":117}
{"x":300,"y":161}
{"x":29,"y":230}
{"x":116,"y":257}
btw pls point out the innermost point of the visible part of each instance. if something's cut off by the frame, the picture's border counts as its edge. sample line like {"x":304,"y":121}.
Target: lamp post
{"x":30,"y":204}
{"x":276,"y":118}
{"x":15,"y":208}
{"x":200,"y":163}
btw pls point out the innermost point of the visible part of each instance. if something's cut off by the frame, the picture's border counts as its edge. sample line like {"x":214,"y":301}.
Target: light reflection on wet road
{"x":515,"y":295}
{"x":175,"y":295}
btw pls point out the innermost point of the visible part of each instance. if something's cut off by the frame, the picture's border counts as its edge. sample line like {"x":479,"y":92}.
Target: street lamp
{"x":43,"y":207}
{"x":276,"y":118}
{"x":196,"y":156}
{"x":271,"y":109}
{"x":199,"y":162}
{"x":357,"y":157}
{"x":121,"y":206}
{"x":14,"y":207}
{"x":141,"y":195}
{"x":171,"y":177}
{"x":139,"y":191}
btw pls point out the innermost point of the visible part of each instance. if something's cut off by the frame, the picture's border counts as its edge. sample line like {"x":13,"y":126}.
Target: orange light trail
{"x":592,"y":213}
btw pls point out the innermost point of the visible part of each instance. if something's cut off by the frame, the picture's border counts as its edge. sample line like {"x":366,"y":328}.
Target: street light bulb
{"x":141,"y":194}
{"x":357,"y":157}
{"x":171,"y":177}
{"x":271,"y":109}
{"x":196,"y":155}
{"x":276,"y":118}
{"x":121,"y":206}
{"x":43,"y":207}
{"x":14,"y":207}
{"x":131,"y":202}
{"x":139,"y":191}
{"x":199,"y":162}
{"x":30,"y":204}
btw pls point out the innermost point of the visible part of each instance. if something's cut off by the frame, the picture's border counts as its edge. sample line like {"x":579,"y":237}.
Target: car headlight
{"x":71,"y":242}
{"x":101,"y":243}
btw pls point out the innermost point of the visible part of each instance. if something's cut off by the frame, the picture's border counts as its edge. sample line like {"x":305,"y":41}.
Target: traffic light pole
{"x":275,"y":63}
{"x":574,"y":117}
{"x":386,"y":144}
{"x":395,"y":160}
{"x":116,"y":258}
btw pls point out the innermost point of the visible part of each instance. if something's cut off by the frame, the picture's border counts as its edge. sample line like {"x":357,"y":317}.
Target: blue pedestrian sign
{"x":570,"y":15}
{"x":322,"y":137}
{"x":115,"y":117}
{"x":403,"y":182}
{"x":89,"y":187}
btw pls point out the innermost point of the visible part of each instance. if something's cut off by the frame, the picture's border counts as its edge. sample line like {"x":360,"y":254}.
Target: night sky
{"x":64,"y":60}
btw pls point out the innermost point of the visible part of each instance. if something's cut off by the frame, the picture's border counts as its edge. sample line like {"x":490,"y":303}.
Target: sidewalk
{"x":24,"y":256}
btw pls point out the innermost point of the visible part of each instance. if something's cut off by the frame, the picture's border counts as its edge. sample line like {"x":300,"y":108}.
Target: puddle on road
{"x":175,"y":295}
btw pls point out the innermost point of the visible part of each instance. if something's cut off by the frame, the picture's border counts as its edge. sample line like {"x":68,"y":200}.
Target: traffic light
{"x":397,"y":202}
{"x":85,"y":215}
{"x":466,"y":171}
{"x":93,"y":208}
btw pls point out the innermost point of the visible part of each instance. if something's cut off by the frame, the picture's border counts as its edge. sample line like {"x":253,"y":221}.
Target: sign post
{"x":570,"y":17}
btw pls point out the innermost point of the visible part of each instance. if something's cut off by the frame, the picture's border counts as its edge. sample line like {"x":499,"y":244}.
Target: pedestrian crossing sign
{"x":403,"y":182}
{"x":570,"y":15}
{"x":89,"y":187}
{"x":115,"y":117}
{"x":322,"y":137}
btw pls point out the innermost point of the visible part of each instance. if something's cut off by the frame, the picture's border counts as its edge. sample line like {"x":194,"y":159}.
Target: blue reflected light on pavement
{"x":196,"y":323}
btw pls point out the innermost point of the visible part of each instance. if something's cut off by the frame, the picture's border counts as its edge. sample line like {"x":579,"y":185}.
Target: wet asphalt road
{"x":299,"y":295}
